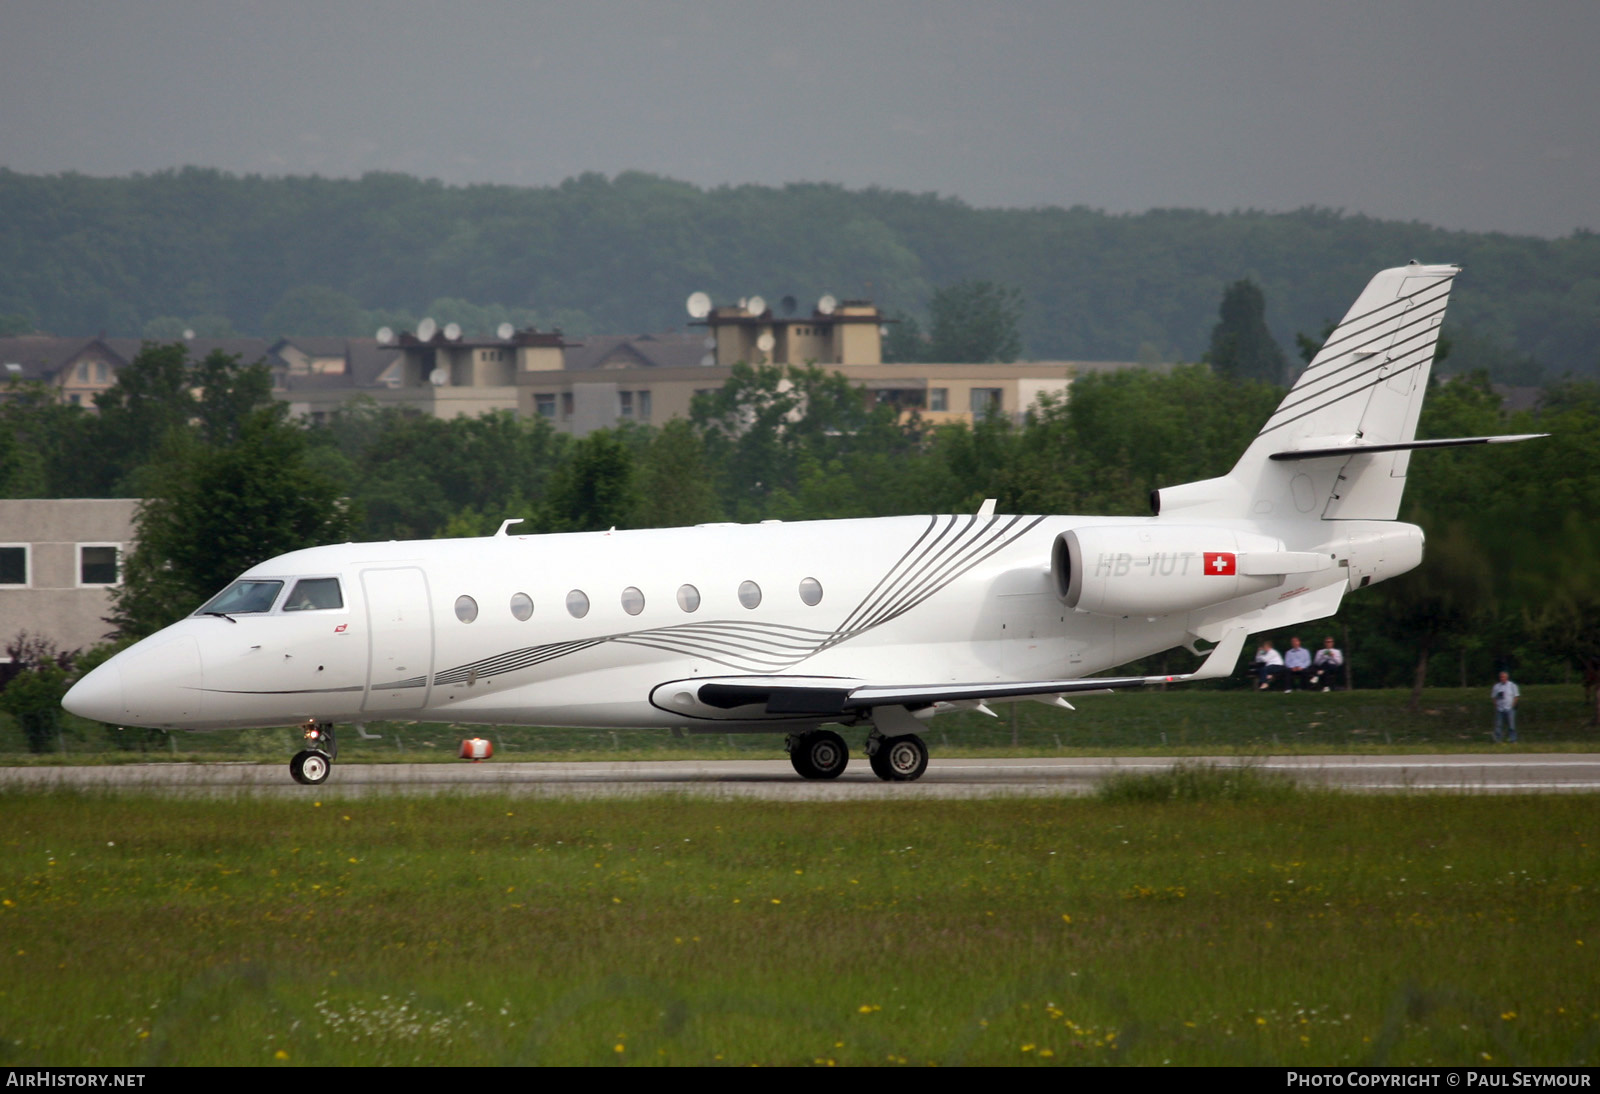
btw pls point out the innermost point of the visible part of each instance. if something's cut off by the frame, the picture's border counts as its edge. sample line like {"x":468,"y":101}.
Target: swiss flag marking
{"x":1220,"y":562}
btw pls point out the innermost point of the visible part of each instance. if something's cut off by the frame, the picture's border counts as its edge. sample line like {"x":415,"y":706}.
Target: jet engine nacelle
{"x":1151,"y":570}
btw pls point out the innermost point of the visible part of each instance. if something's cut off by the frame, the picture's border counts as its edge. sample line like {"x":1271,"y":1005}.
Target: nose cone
{"x":98,"y":695}
{"x":155,"y":683}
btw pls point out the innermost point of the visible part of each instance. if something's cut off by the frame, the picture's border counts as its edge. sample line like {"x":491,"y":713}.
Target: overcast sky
{"x":1466,"y":114}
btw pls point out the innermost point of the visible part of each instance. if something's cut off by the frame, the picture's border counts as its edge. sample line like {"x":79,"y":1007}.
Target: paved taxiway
{"x":775,"y":780}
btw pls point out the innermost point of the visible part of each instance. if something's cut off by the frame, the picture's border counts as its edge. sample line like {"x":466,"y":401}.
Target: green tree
{"x":315,"y":309}
{"x":905,"y":343}
{"x":148,"y":404}
{"x":217,"y":510}
{"x":595,"y":488}
{"x":1242,"y":348}
{"x":676,"y":483}
{"x":33,"y":695}
{"x":975,"y":322}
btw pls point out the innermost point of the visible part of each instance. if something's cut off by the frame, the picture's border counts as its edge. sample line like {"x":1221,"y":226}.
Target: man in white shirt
{"x":1296,"y":665}
{"x":1504,"y":695}
{"x":1325,"y":668}
{"x":1268,"y":665}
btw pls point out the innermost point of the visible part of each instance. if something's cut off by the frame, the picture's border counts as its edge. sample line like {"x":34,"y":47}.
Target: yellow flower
{"x":280,"y":1055}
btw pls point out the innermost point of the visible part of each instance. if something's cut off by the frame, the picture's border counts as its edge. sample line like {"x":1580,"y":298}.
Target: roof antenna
{"x":508,"y":523}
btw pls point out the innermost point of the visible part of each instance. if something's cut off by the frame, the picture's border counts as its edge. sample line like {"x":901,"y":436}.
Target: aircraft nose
{"x":155,"y":683}
{"x":97,"y":696}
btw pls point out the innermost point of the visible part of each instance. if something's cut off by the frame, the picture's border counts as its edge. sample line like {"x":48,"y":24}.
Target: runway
{"x":775,"y":780}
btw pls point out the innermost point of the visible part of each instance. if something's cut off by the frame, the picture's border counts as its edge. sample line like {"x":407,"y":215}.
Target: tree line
{"x":198,"y":249}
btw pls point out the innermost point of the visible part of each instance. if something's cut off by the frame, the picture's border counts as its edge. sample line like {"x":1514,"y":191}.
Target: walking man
{"x":1505,"y":695}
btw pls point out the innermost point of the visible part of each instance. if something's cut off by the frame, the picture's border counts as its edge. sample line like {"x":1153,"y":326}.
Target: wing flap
{"x":812,"y":697}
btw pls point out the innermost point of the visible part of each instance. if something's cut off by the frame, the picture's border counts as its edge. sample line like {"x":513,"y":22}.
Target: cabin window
{"x":314,"y":594}
{"x":522,"y":606}
{"x":578,"y":603}
{"x":811,"y":591}
{"x":243,"y":598}
{"x":97,"y":564}
{"x":688,"y":598}
{"x":466,"y":609}
{"x":749,"y":594}
{"x":14,"y":565}
{"x":632,"y":600}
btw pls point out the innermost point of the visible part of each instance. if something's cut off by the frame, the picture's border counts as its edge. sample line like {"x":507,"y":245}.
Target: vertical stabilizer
{"x":1365,"y":386}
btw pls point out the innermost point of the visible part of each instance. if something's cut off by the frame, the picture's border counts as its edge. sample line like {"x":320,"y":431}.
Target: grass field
{"x":1177,"y":722}
{"x":1216,"y":921}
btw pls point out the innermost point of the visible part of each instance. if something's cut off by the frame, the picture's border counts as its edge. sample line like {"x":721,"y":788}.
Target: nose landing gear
{"x":312,"y":764}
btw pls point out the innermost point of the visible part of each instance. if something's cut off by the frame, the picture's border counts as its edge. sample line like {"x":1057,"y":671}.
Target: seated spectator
{"x":1267,"y":666}
{"x":1325,"y":669}
{"x":1296,"y":666}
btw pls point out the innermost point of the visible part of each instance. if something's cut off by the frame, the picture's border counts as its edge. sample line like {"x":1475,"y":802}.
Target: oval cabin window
{"x":522,"y":606}
{"x":632,"y":600}
{"x":578,"y":603}
{"x":466,"y":609}
{"x":811,"y":591}
{"x":749,"y":594}
{"x":688,"y":598}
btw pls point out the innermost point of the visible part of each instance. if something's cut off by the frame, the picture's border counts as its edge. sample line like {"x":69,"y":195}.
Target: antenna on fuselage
{"x":508,"y":522}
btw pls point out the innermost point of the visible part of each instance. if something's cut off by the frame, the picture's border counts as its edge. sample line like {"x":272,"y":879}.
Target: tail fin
{"x":1364,"y":387}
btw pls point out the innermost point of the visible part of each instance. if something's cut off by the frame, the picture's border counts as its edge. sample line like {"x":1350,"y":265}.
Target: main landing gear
{"x":900,"y":759}
{"x":822,"y":754}
{"x":819,"y":754}
{"x":312,"y":764}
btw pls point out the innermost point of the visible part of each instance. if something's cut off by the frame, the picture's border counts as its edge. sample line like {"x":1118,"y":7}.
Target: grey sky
{"x":1475,"y":115}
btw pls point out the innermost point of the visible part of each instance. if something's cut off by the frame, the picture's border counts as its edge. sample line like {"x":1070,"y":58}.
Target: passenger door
{"x":400,"y":639}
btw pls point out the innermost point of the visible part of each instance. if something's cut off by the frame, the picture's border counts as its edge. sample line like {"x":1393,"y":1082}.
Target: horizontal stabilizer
{"x":807,"y":698}
{"x":1398,"y":446}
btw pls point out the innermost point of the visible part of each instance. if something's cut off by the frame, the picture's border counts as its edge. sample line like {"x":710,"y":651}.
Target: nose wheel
{"x":311,"y":764}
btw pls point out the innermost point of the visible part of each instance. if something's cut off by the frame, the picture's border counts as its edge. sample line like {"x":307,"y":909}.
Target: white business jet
{"x":788,"y":627}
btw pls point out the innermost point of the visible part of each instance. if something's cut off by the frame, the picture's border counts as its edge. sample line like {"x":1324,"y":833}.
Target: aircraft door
{"x":400,"y":639}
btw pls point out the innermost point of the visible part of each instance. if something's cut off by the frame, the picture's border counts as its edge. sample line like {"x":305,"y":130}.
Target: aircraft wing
{"x":821,"y":697}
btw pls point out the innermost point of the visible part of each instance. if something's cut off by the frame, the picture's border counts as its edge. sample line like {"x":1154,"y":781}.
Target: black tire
{"x":821,"y":754}
{"x":310,"y":767}
{"x":900,"y":759}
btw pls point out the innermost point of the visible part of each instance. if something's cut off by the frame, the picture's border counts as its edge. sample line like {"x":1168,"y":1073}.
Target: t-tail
{"x":1339,"y":445}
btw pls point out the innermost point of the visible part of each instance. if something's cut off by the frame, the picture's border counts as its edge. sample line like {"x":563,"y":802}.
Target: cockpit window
{"x":314,"y":594}
{"x":243,"y":597}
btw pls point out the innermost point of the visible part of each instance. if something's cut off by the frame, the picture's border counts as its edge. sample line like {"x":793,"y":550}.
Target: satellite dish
{"x":385,"y":336}
{"x":699,"y":305}
{"x":426,"y":330}
{"x":711,"y":342}
{"x":827,"y":304}
{"x":756,"y":305}
{"x":453,"y":331}
{"x":438,"y":377}
{"x":707,"y":361}
{"x":766,"y":342}
{"x":788,"y":305}
{"x":883,"y":330}
{"x":505,"y":331}
{"x":189,"y":335}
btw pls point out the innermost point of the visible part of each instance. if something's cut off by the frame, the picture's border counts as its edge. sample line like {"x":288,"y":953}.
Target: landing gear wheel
{"x":310,"y":766}
{"x":819,"y":755}
{"x":900,"y":759}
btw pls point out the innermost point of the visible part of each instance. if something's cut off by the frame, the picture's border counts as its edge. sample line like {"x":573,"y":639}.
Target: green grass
{"x":1282,"y":928}
{"x":1176,"y":722}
